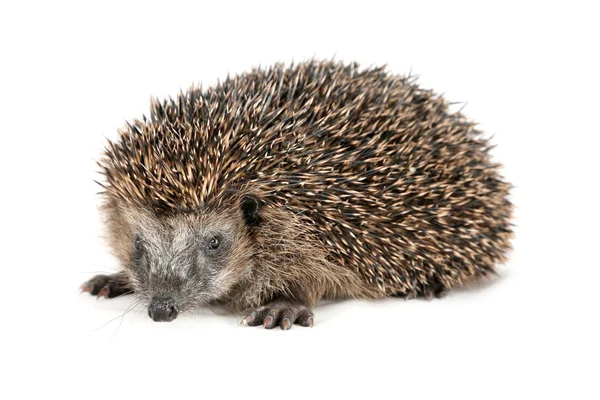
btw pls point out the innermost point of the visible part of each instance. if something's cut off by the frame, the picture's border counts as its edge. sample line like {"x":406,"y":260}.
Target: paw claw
{"x":249,"y":318}
{"x":104,"y":292}
{"x":268,"y":322}
{"x":286,"y":324}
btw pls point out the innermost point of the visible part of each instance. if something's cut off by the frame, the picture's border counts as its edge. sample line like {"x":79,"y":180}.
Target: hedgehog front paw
{"x":108,"y":286}
{"x":282,"y":314}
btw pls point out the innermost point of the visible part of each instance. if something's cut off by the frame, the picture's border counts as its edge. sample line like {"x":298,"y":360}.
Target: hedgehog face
{"x":183,"y":262}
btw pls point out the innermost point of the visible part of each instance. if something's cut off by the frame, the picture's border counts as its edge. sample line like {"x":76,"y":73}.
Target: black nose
{"x":162,"y":309}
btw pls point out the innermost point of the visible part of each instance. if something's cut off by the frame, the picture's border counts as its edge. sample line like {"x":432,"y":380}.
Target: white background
{"x":72,"y":73}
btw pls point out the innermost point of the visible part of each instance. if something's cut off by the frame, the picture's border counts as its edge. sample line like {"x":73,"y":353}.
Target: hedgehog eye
{"x":214,"y":243}
{"x":139,"y":248}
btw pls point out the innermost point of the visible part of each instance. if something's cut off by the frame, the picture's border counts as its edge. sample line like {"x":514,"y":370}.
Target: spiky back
{"x":400,"y":189}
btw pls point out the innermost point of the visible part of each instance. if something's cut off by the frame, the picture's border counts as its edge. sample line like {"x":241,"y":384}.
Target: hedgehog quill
{"x":286,"y":185}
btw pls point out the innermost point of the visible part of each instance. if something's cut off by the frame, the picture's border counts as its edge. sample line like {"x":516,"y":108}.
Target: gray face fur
{"x":189,"y":260}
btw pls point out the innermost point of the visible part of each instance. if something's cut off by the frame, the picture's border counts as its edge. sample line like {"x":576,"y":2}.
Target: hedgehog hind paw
{"x":438,"y":291}
{"x":426,"y":292}
{"x":282,"y":314}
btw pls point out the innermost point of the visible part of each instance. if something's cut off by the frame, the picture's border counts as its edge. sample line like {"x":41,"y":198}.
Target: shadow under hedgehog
{"x":286,"y":185}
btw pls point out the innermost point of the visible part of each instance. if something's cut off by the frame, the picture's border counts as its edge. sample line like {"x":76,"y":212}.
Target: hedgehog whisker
{"x":128,"y":309}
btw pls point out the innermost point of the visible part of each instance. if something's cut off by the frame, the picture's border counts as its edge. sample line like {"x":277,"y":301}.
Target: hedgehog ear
{"x":249,"y":207}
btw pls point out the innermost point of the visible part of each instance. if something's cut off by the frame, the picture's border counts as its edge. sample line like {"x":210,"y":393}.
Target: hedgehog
{"x":290,"y":184}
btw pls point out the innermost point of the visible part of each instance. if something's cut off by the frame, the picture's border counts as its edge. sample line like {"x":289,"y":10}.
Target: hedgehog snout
{"x":162,"y":309}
